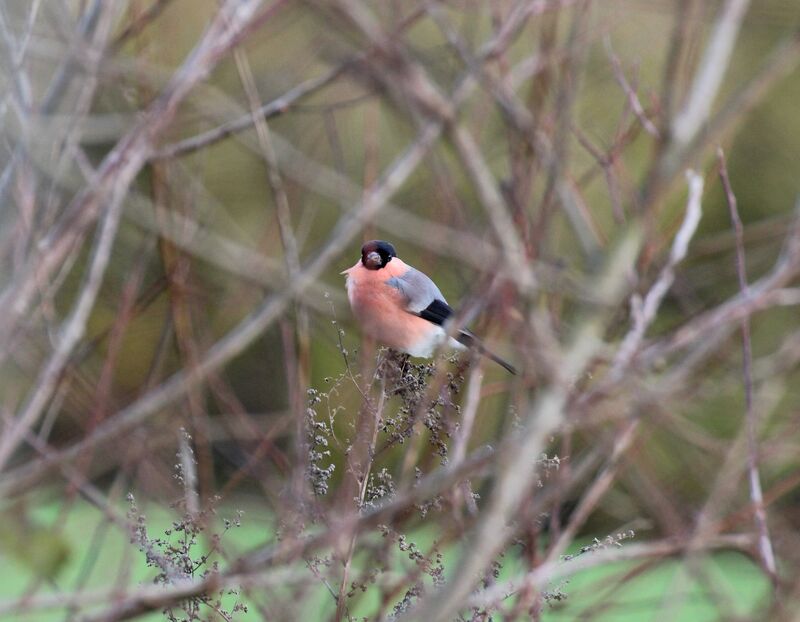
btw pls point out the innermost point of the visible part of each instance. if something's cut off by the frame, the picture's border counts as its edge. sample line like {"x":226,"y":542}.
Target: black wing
{"x":438,"y":312}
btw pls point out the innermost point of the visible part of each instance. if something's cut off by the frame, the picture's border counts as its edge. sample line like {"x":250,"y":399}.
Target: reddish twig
{"x":756,"y":494}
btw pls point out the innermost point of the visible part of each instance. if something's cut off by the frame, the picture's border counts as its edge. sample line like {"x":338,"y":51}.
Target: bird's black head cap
{"x":376,"y":254}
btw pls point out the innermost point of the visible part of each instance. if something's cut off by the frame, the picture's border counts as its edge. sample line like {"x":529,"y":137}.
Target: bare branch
{"x":70,"y":334}
{"x":252,"y":326}
{"x":756,"y":494}
{"x":708,"y":78}
{"x":120,"y":167}
{"x":644,"y":312}
{"x":555,"y":570}
{"x":630,"y":93}
{"x":267,"y":111}
{"x":515,"y":471}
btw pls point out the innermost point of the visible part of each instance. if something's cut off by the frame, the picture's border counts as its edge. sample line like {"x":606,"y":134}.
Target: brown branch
{"x":258,"y":564}
{"x":756,"y":493}
{"x":595,"y":492}
{"x":266,"y":111}
{"x":644,"y":311}
{"x":225,"y":253}
{"x":247,"y":330}
{"x":764,"y":293}
{"x":298,"y":355}
{"x":557,"y":569}
{"x":71,"y":333}
{"x":674,"y":156}
{"x":123,"y":163}
{"x":142,"y":21}
{"x":515,"y":472}
{"x":633,"y":98}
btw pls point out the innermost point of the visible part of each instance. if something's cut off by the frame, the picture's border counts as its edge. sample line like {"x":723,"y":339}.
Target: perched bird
{"x":401,"y":307}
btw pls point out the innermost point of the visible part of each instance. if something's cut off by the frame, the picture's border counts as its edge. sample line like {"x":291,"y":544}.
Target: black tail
{"x":471,"y":341}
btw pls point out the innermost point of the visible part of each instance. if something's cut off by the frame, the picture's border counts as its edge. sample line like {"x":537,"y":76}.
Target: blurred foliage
{"x":42,"y":552}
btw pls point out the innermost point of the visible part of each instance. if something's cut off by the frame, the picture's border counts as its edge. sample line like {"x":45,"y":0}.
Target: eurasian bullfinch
{"x":401,"y":307}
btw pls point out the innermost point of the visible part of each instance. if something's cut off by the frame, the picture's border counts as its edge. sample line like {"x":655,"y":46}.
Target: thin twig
{"x":516,"y":471}
{"x":256,"y":566}
{"x":756,"y":494}
{"x":71,"y":333}
{"x":252,"y":326}
{"x":643,"y":312}
{"x":630,"y":93}
{"x":266,"y":111}
{"x":123,"y":163}
{"x":556,"y":569}
{"x":594,"y":493}
{"x":766,"y":292}
{"x":299,"y":363}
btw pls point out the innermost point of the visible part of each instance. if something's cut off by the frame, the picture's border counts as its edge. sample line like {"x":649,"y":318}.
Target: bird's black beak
{"x":373,"y":260}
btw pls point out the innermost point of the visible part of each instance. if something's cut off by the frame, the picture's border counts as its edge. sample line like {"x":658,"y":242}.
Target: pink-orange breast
{"x":380,"y":308}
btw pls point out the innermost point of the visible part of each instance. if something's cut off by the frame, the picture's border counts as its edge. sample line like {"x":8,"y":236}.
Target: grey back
{"x":417,"y":288}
